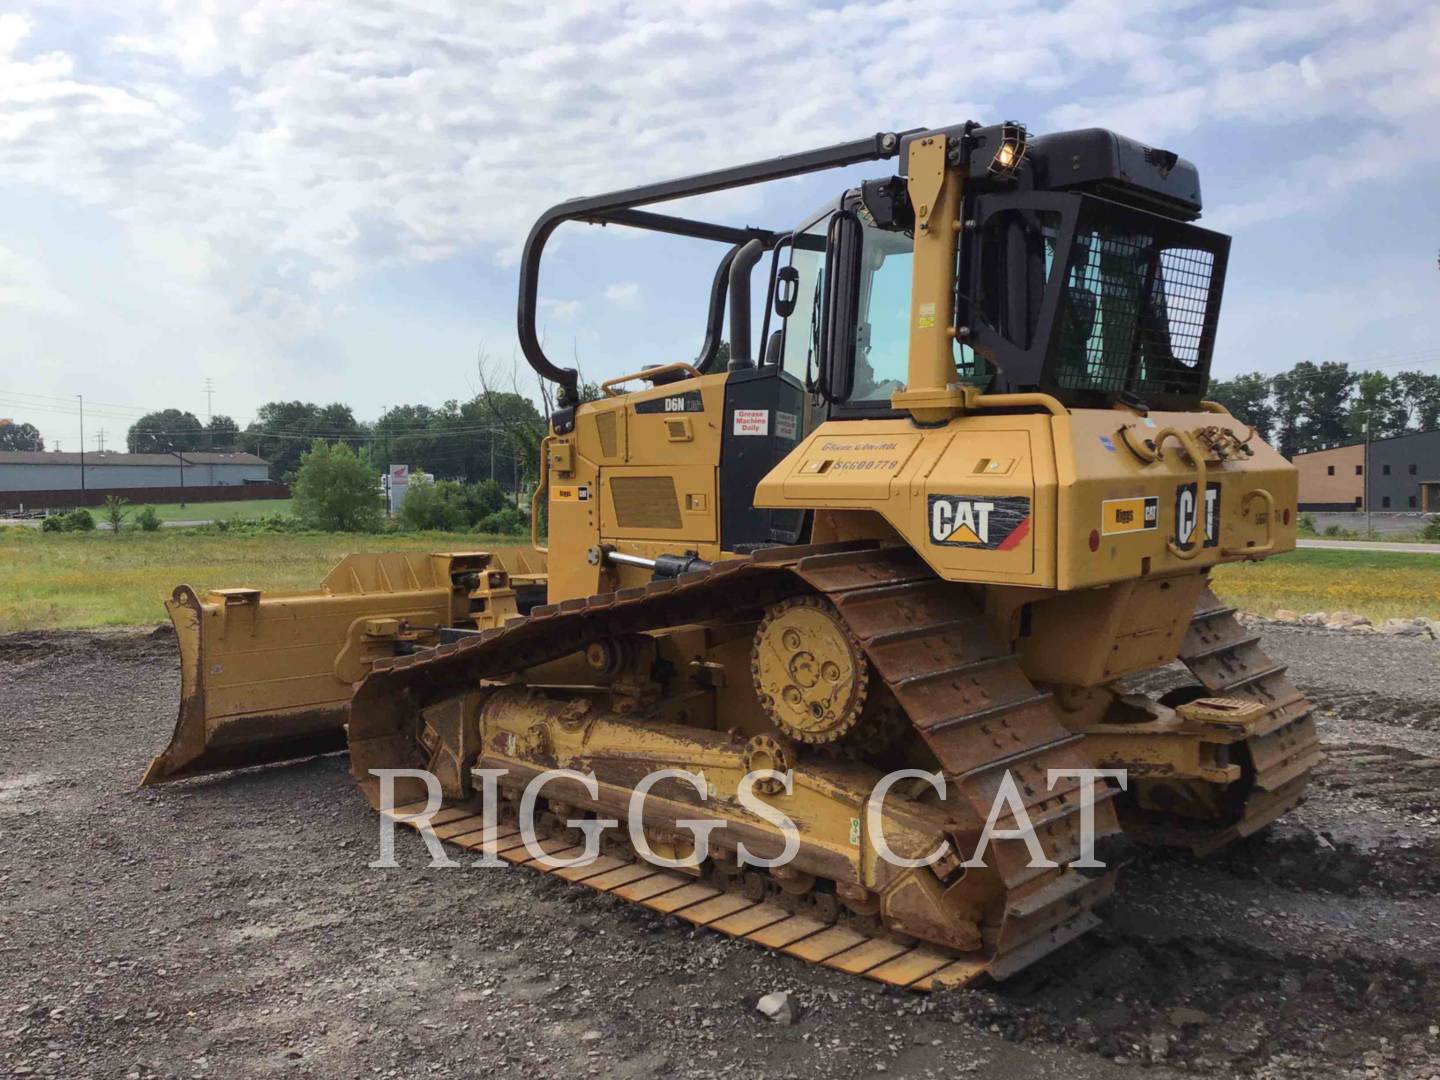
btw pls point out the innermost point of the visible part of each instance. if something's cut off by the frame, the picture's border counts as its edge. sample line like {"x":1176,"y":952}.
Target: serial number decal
{"x":864,"y":465}
{"x":1129,"y":515}
{"x":993,"y":523}
{"x":690,"y":401}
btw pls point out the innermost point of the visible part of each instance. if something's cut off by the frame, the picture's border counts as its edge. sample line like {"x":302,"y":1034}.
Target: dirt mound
{"x":125,"y":645}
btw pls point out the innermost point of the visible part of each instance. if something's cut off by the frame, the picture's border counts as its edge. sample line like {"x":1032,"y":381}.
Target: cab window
{"x":882,"y":347}
{"x":801,"y":328}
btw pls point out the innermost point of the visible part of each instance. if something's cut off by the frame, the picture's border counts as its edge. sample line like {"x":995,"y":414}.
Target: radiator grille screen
{"x":605,"y":427}
{"x":645,"y":502}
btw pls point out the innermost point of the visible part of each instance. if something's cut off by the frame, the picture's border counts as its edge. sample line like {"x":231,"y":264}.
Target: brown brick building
{"x":1332,"y":479}
{"x":1403,"y":475}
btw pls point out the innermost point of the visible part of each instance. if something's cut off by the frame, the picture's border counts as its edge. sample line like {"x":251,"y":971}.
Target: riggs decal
{"x":994,"y":523}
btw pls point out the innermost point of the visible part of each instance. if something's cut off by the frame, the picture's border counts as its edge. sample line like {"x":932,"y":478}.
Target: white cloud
{"x":14,"y":28}
{"x":311,"y":143}
{"x":1372,"y":74}
{"x":623,"y":294}
{"x":261,"y":155}
{"x":562,"y":310}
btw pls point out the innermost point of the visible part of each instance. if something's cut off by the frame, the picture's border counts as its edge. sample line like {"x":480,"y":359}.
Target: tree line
{"x":1316,"y":405}
{"x":496,"y":434}
{"x":15,"y":436}
{"x":493,"y":436}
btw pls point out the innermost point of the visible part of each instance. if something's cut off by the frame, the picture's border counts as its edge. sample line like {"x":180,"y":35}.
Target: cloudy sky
{"x":325,"y":201}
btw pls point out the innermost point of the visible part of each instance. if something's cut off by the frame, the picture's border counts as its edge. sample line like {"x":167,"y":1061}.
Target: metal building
{"x":1404,"y":473}
{"x":48,"y":478}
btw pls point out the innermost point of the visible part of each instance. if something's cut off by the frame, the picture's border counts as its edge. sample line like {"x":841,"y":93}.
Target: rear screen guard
{"x":1085,"y":298}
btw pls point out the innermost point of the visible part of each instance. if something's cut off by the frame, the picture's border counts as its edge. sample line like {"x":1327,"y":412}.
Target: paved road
{"x":34,"y":523}
{"x":1371,"y":545}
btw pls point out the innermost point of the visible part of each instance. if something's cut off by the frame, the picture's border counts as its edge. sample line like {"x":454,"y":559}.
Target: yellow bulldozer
{"x":923,"y":532}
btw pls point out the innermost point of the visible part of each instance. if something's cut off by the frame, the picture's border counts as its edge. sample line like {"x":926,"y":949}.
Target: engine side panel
{"x":1048,"y":501}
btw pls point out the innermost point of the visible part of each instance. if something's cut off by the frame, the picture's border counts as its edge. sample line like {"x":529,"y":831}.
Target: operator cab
{"x":1086,"y":283}
{"x":1077,"y":274}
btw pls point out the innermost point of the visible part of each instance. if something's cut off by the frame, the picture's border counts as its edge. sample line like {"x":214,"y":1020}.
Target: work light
{"x":1011,"y":150}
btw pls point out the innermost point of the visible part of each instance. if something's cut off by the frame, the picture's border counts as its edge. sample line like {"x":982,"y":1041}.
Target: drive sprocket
{"x":810,"y":673}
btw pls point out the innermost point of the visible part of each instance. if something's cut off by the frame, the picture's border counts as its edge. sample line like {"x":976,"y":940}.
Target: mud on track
{"x":231,"y":927}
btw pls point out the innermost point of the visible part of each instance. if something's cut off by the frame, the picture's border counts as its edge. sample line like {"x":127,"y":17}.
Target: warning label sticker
{"x":785,"y":425}
{"x":752,"y":421}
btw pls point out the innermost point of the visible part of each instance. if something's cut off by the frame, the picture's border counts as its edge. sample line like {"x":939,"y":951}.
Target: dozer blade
{"x":268,"y":678}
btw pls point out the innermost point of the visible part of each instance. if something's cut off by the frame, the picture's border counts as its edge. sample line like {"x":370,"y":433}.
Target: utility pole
{"x":82,"y":442}
{"x":102,"y":440}
{"x":1365,"y":487}
{"x":209,"y":414}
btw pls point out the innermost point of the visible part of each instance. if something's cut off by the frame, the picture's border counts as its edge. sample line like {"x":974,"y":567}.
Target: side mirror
{"x":840,"y":305}
{"x":787,"y":290}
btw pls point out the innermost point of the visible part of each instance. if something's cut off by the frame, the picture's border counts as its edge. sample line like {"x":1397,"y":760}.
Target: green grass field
{"x":1379,"y":585}
{"x":50,"y":580}
{"x":215,"y":511}
{"x":96,"y":579}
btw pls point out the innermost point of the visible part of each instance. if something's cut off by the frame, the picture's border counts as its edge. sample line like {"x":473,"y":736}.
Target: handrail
{"x":962,"y":397}
{"x":1269,"y":545}
{"x":543,"y":487}
{"x":1014,"y":401}
{"x":1192,"y":450}
{"x":649,"y":374}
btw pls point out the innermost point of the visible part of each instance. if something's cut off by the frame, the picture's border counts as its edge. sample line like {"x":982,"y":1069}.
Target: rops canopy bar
{"x":617,"y":207}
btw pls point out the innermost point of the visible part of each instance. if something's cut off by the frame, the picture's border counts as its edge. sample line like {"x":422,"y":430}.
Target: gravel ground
{"x":231,"y":927}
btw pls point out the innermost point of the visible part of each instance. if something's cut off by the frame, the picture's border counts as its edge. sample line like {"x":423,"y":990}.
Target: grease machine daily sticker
{"x":1129,"y":515}
{"x":752,"y":421}
{"x":993,"y":523}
